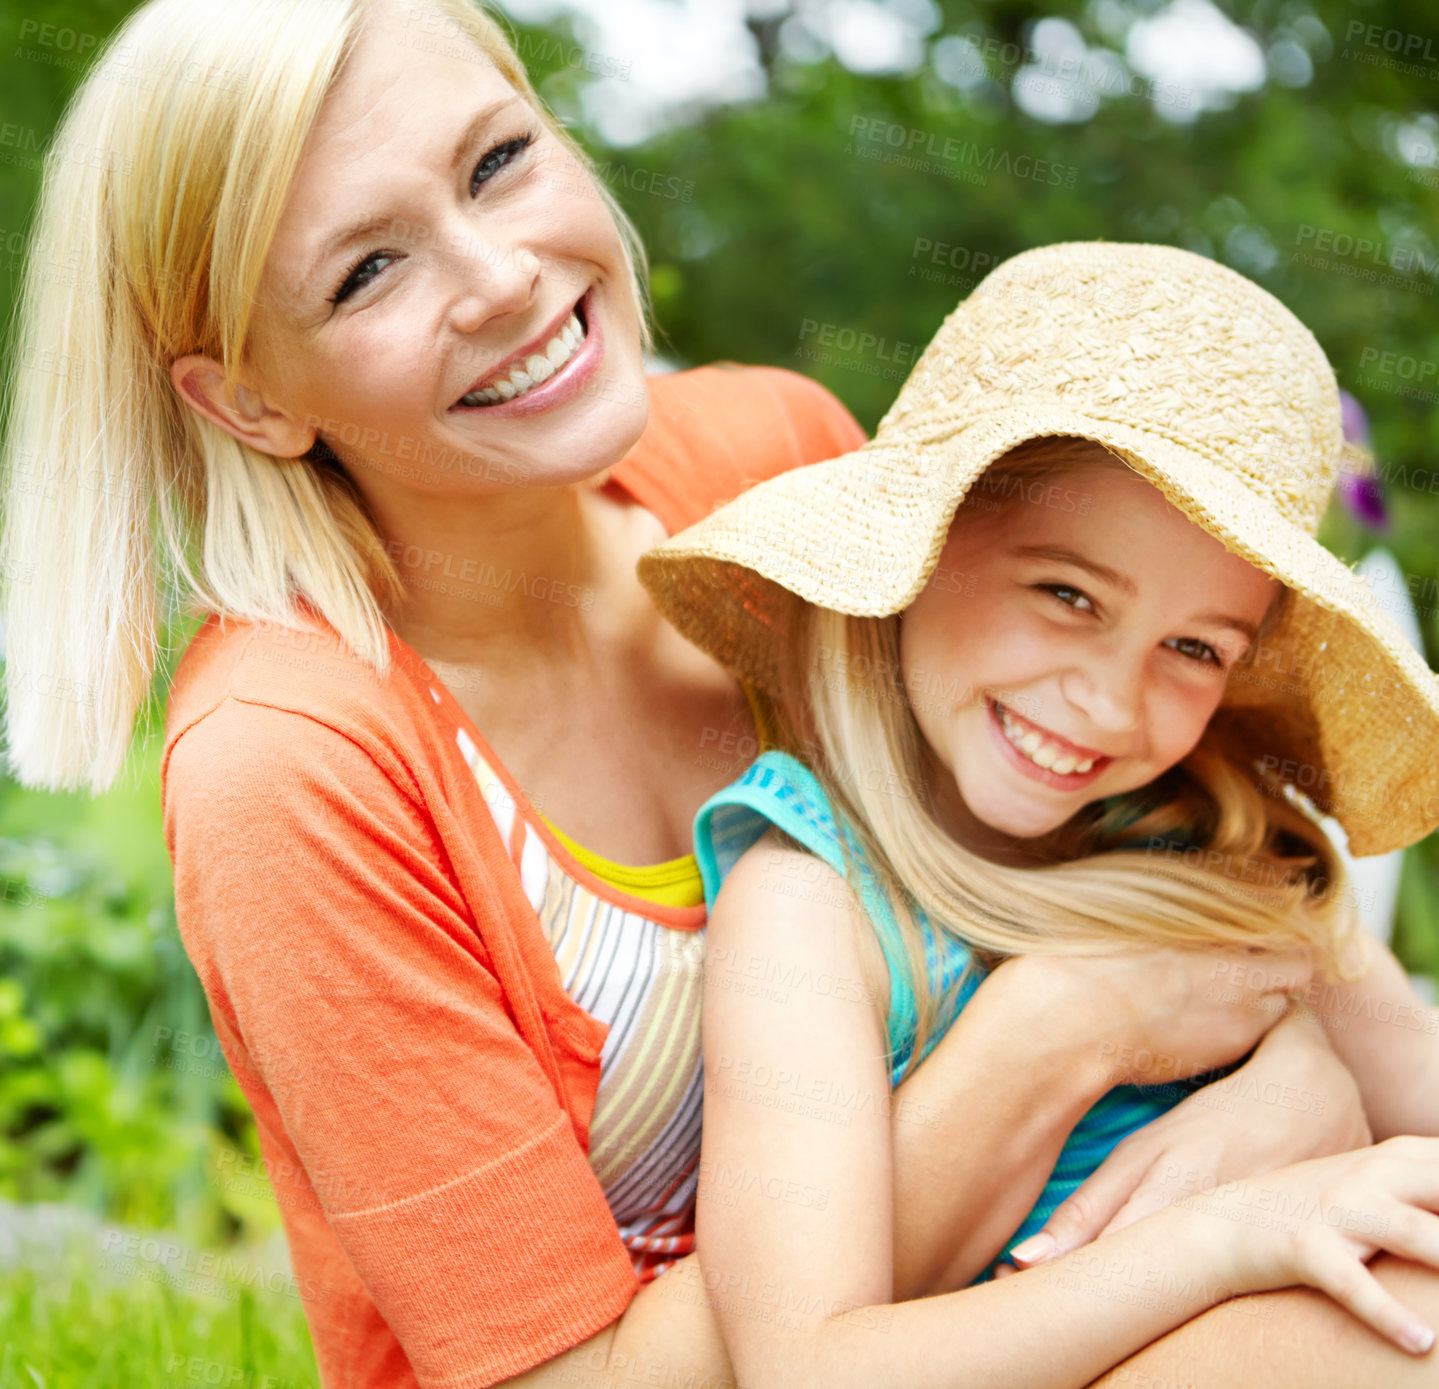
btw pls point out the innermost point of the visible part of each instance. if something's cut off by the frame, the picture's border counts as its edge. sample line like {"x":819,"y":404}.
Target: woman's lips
{"x":568,"y":381}
{"x":1059,"y":781}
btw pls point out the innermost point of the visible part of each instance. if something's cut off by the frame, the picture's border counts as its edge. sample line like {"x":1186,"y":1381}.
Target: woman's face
{"x":1071,"y":644}
{"x":484,"y":236}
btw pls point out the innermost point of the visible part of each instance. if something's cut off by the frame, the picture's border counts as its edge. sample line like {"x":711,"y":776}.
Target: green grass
{"x":86,"y":1333}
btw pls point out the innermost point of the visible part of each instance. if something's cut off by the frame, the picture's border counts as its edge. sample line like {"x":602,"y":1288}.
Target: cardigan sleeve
{"x":358,"y":1010}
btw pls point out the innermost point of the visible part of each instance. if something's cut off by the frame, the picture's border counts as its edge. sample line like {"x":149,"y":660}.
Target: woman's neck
{"x":537,"y":578}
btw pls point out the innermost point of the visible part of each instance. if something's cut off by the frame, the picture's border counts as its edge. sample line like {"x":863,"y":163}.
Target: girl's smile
{"x":1042,"y":754}
{"x":1087,"y":649}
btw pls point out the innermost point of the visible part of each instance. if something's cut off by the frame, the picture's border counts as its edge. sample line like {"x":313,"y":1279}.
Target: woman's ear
{"x":241,"y":411}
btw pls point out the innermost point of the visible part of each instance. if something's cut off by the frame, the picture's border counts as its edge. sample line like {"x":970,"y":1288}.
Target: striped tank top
{"x":629,"y":943}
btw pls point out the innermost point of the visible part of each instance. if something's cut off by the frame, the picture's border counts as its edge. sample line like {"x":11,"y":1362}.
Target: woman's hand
{"x":1319,"y":1222}
{"x":1293,"y":1100}
{"x":1154,"y":1015}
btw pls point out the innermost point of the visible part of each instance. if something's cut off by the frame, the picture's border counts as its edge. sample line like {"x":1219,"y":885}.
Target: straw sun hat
{"x":1206,"y":385}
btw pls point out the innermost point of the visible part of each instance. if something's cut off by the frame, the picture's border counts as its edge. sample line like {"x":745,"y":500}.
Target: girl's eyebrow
{"x":358,"y":231}
{"x":1124,"y":584}
{"x":1064,"y":555}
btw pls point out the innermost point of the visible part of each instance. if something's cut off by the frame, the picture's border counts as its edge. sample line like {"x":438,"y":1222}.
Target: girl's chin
{"x":1013,"y":818}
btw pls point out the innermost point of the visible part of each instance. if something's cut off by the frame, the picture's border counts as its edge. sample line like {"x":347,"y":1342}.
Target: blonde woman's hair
{"x":1212,"y":853}
{"x":158,"y":205}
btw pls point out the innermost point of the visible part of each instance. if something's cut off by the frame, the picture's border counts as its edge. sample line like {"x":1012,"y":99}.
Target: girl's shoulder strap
{"x":775,"y":789}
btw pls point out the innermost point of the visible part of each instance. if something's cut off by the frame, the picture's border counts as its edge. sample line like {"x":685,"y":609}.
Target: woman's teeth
{"x":1040,"y":750}
{"x":535,"y":370}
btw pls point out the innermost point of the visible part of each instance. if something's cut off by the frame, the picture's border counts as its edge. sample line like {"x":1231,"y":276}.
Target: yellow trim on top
{"x":673,"y":883}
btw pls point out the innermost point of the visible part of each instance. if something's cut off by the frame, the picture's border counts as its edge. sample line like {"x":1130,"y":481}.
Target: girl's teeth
{"x":1043,"y":754}
{"x":535,"y":369}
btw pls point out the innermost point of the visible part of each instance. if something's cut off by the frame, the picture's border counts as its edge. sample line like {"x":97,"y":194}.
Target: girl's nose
{"x":1108,"y":690}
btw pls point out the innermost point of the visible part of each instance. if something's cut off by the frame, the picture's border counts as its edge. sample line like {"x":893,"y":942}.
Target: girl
{"x":1041,"y":648}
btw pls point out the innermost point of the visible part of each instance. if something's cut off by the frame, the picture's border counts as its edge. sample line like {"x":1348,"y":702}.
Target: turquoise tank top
{"x":778,"y":789}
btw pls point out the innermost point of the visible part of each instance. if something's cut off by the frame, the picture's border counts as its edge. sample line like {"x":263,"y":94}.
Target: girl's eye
{"x":1196,"y":650}
{"x":1070,"y":596}
{"x":491,"y":162}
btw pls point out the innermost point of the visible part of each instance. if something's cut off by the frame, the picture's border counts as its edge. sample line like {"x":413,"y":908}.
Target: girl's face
{"x":484,"y":236}
{"x":1071,"y":644}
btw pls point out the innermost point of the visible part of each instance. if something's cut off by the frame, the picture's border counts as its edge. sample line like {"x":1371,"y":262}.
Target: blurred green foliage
{"x":764,"y":221}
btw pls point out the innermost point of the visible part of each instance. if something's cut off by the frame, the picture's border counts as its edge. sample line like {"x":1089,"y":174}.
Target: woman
{"x":443,"y":1010}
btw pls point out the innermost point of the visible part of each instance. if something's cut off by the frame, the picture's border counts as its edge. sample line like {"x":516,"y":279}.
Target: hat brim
{"x":1335,"y":701}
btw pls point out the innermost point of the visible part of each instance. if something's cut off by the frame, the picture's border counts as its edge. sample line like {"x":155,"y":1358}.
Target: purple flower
{"x":1355,"y":421}
{"x":1358,"y":488}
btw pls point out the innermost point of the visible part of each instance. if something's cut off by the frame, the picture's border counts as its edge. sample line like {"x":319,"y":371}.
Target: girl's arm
{"x":1382,"y":1030}
{"x":796,"y":1102}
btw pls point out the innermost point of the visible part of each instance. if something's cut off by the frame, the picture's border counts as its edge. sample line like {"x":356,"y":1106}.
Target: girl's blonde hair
{"x":158,"y":206}
{"x":1211,"y":853}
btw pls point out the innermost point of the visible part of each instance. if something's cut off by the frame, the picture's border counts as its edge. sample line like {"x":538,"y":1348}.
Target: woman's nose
{"x":488,"y":279}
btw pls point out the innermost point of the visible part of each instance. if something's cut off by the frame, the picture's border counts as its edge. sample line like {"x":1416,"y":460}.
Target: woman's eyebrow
{"x":358,"y":231}
{"x":1064,"y":555}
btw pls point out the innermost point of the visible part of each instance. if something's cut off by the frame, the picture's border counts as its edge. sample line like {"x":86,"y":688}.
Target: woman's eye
{"x":1071,"y":597}
{"x":1196,"y":650}
{"x":354,"y":279}
{"x":491,"y":162}
{"x":495,"y":159}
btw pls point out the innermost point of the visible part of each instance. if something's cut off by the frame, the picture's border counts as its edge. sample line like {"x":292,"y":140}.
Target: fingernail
{"x":1036,"y":1249}
{"x":1417,"y":1337}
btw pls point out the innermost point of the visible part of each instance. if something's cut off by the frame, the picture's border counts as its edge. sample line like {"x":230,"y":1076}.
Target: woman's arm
{"x":1293,"y":1099}
{"x":979,"y":1125}
{"x":1382,"y":1030}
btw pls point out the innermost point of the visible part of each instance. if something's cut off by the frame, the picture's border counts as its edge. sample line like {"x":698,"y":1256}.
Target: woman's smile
{"x":548,"y":370}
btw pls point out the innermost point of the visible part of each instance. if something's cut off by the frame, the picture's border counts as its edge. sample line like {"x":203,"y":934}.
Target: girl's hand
{"x":1319,"y":1222}
{"x":1148,"y":1016}
{"x":1292,"y":1101}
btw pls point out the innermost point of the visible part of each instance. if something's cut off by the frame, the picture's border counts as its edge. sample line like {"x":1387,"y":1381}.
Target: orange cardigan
{"x":380,"y":984}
